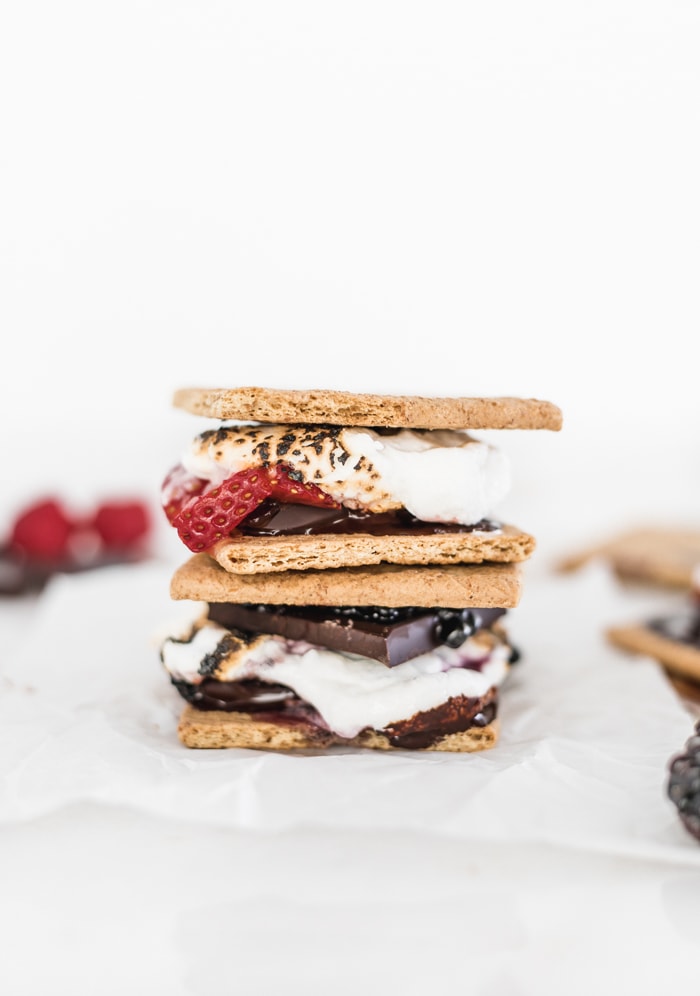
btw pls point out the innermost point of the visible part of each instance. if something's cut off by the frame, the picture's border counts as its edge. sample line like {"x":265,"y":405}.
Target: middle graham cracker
{"x":474,"y":585}
{"x":266,"y":554}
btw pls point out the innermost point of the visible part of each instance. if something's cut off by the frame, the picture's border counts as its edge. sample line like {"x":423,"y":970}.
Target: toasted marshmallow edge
{"x":438,"y":475}
{"x":351,"y":693}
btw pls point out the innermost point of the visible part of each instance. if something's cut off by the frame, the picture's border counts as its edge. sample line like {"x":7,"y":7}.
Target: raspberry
{"x":42,"y":531}
{"x":285,"y":487}
{"x":122,"y":525}
{"x":207,"y":518}
{"x":683,"y":786}
{"x":179,"y":487}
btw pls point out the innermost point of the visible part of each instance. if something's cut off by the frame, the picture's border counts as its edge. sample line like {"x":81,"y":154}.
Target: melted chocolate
{"x":274,"y":518}
{"x":454,"y":716}
{"x":388,"y":635}
{"x":235,"y":696}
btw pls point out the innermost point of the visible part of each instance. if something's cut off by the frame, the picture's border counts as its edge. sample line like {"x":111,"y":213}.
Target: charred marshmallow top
{"x":350,"y":693}
{"x":438,"y":475}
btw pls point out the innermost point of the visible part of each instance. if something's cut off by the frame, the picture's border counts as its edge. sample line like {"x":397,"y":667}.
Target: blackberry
{"x":451,"y":627}
{"x":684,"y":783}
{"x":384,"y":615}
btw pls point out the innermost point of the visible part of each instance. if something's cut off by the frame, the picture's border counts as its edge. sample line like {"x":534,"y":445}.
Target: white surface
{"x":129,"y":903}
{"x":288,"y":194}
{"x":501,"y":871}
{"x":582,"y":757}
{"x":461,"y":198}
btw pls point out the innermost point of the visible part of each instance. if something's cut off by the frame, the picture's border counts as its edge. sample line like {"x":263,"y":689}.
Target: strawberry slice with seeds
{"x":207,"y":518}
{"x":178,"y":488}
{"x":286,"y":487}
{"x":204,"y":517}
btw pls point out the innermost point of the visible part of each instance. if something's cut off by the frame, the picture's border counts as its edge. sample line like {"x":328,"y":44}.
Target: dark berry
{"x":449,"y":628}
{"x":468,"y":621}
{"x":381,"y":614}
{"x":684,"y":783}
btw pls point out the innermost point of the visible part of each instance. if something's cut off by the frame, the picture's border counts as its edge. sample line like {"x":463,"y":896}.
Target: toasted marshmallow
{"x":437,"y":475}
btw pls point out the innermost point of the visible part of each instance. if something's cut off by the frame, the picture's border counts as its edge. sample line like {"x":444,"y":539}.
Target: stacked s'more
{"x":348,"y":577}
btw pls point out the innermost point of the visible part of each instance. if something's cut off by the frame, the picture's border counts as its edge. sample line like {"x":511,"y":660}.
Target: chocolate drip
{"x":235,"y":696}
{"x":274,"y":518}
{"x":389,"y":635}
{"x":454,"y":716}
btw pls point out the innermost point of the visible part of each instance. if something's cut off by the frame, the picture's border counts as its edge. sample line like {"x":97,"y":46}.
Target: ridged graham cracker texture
{"x":260,"y":404}
{"x":268,"y":554}
{"x":664,"y":557}
{"x":201,"y":579}
{"x":216,"y":730}
{"x":679,"y":658}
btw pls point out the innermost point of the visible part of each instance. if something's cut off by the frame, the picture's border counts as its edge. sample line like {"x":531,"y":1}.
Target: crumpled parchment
{"x":87,"y":713}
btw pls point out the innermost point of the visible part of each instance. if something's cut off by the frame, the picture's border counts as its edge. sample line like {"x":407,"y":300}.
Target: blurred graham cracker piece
{"x":480,"y":586}
{"x":688,"y":691}
{"x":267,"y":554}
{"x":260,"y":404}
{"x":217,"y":730}
{"x":682,"y":660}
{"x":666,"y":557}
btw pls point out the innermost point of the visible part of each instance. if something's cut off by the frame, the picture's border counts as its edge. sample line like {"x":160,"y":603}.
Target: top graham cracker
{"x":261,"y":404}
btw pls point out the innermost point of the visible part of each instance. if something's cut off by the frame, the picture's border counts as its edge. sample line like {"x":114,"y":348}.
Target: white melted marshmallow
{"x":438,"y":475}
{"x":350,"y":693}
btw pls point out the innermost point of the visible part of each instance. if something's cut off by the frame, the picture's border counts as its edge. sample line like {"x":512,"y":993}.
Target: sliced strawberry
{"x":286,"y":488}
{"x":42,"y":531}
{"x":122,"y":525}
{"x":204,"y":517}
{"x":178,"y":488}
{"x":207,"y":518}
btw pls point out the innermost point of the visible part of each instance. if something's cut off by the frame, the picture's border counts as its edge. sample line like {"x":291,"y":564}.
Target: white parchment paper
{"x":87,"y":713}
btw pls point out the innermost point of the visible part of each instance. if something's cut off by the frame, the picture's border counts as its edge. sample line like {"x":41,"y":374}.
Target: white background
{"x":450,"y":198}
{"x":440,"y":198}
